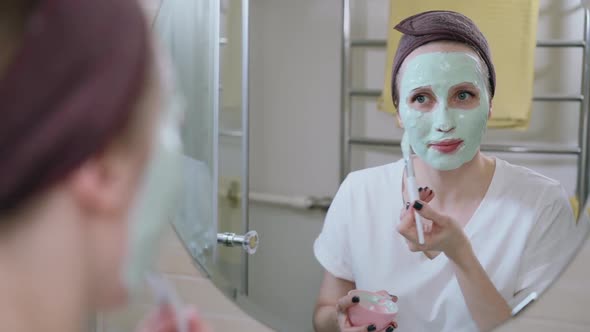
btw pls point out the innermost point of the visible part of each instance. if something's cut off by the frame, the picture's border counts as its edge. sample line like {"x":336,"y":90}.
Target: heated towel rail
{"x":581,"y":150}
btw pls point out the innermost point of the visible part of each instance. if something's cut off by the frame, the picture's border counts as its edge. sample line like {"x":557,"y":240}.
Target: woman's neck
{"x":40,"y":277}
{"x":471,"y":180}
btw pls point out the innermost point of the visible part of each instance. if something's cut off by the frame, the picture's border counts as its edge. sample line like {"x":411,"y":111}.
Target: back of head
{"x":68,"y":88}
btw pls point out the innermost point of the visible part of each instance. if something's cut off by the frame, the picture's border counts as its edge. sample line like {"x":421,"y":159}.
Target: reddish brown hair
{"x":69,"y":89}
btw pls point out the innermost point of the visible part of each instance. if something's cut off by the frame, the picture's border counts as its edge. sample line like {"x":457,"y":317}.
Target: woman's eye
{"x":464,"y":95}
{"x":421,"y":99}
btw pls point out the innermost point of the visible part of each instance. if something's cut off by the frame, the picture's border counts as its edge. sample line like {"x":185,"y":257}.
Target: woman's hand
{"x":344,"y":323}
{"x":445,"y":235}
{"x":426,"y":195}
{"x":163,"y":319}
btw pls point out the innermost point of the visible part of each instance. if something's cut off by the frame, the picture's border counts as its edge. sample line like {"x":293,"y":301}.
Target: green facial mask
{"x":158,"y":198}
{"x":441,"y":72}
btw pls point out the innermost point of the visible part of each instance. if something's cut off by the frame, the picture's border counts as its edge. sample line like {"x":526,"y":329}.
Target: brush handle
{"x":165,"y":294}
{"x":413,"y":193}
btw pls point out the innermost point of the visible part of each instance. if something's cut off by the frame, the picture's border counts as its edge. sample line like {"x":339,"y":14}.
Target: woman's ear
{"x":102,"y":185}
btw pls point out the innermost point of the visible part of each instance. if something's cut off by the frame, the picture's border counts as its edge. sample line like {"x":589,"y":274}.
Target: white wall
{"x":295,"y":105}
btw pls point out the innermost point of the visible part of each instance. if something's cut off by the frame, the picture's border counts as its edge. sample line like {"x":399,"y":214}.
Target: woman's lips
{"x":446,"y":146}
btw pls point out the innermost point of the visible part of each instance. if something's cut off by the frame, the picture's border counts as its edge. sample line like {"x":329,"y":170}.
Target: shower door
{"x":207,"y":44}
{"x":189,"y":32}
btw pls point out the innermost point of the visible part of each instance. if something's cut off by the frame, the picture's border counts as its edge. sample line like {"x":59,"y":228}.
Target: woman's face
{"x":444,"y":103}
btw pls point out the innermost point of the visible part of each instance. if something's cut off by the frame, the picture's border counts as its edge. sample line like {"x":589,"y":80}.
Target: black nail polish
{"x":355,"y":299}
{"x":420,"y":189}
{"x":390,"y":329}
{"x":407,"y":205}
{"x":417,"y":205}
{"x":371,"y":328}
{"x":425,"y":188}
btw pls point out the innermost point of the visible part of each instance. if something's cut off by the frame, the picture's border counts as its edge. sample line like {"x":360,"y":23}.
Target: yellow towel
{"x":575,"y":206}
{"x":510,"y":27}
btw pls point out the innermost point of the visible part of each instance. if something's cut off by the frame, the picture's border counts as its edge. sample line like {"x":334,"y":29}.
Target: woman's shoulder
{"x":376,"y":174}
{"x":521,"y":173}
{"x":521,"y":178}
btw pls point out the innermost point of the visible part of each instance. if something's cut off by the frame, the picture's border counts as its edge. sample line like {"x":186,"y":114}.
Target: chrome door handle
{"x":248,"y":241}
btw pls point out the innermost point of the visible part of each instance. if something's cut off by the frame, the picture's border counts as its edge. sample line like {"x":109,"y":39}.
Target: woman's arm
{"x":325,"y":316}
{"x":487,"y":307}
{"x":551,"y":244}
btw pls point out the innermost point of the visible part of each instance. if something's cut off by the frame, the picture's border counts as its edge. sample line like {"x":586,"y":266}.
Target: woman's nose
{"x":445,"y":128}
{"x":443,"y":120}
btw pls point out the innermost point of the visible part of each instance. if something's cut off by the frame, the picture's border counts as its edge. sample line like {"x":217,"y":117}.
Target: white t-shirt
{"x":523,"y":234}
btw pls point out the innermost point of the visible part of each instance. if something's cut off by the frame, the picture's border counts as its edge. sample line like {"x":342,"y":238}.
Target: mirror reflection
{"x":407,"y":167}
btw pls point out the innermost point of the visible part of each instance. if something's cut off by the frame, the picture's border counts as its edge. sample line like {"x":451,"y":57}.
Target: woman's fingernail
{"x":355,"y":299}
{"x":371,"y":327}
{"x":420,"y":189}
{"x":407,"y":205}
{"x":425,"y":188}
{"x":390,"y":329}
{"x":417,"y":205}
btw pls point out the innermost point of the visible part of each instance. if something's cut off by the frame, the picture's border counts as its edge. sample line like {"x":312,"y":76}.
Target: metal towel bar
{"x":565,"y":150}
{"x":556,"y":98}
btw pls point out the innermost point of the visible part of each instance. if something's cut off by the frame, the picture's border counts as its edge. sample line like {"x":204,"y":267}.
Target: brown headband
{"x":439,"y":25}
{"x":70,"y":88}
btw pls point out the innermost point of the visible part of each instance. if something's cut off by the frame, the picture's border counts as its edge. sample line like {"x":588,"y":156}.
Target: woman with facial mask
{"x":85,"y":137}
{"x":494,"y":232}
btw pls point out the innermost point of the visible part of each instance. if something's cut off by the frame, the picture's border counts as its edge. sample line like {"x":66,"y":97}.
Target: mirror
{"x":290,"y":84}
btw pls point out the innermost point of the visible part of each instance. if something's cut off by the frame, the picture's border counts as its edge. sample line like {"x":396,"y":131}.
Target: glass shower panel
{"x":189,"y":32}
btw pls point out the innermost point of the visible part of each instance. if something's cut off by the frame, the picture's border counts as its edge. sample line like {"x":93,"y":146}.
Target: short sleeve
{"x":332,"y":246}
{"x":551,"y":244}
